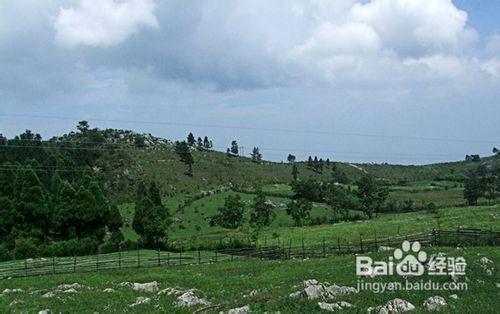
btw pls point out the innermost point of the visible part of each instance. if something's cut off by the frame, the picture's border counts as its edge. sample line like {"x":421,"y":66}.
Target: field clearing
{"x":227,"y":284}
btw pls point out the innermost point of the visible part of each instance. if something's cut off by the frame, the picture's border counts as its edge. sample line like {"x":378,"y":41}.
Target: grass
{"x":227,"y":283}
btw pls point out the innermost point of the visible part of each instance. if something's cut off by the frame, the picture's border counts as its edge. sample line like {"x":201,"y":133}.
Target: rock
{"x":385,"y":248}
{"x":16,"y":302}
{"x":126,"y":284}
{"x":240,"y":310}
{"x":69,"y":286}
{"x":140,"y":301}
{"x":146,"y":287}
{"x":314,"y":290}
{"x":498,"y":285}
{"x":11,"y":291}
{"x":334,"y":306}
{"x":435,"y":303}
{"x":46,"y":311}
{"x":109,"y":290}
{"x":170,"y":291}
{"x":454,"y":296}
{"x":393,"y":306}
{"x":296,"y":294}
{"x":485,"y":261}
{"x":49,"y":294}
{"x":189,"y":299}
{"x":252,"y":294}
{"x":71,"y":290}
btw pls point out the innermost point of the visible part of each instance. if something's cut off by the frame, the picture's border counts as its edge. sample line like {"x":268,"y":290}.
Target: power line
{"x":249,"y":128}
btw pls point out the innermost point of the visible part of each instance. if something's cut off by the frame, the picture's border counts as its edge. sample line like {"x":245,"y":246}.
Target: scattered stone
{"x":170,"y":291}
{"x":146,"y":287}
{"x":11,"y":291}
{"x":296,"y":294}
{"x":487,"y":265}
{"x":385,"y":248}
{"x":189,"y":299}
{"x":50,"y":294}
{"x":240,"y":310}
{"x":16,"y":302}
{"x":46,"y":311}
{"x":69,"y":286}
{"x":140,"y":301}
{"x":109,"y":290}
{"x":126,"y":284}
{"x":252,"y":294}
{"x":334,"y":306}
{"x":454,"y":296}
{"x":435,"y":303}
{"x":70,"y":290}
{"x":393,"y":306}
{"x":314,"y":290}
{"x":498,"y":285}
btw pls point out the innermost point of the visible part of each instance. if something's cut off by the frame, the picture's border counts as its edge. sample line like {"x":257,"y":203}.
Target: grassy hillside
{"x":229,"y":284}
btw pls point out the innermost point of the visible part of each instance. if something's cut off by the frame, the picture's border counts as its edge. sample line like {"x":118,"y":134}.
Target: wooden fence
{"x":150,"y":258}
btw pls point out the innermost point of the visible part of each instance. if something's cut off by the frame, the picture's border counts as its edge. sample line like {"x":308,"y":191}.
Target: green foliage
{"x":183,"y":151}
{"x":256,"y":155}
{"x":229,"y":216}
{"x":263,"y":213}
{"x":299,"y":210}
{"x":371,"y":195}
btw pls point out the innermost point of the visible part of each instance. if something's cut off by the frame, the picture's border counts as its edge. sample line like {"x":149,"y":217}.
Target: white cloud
{"x":493,"y":44}
{"x":492,"y":67}
{"x":103,"y":22}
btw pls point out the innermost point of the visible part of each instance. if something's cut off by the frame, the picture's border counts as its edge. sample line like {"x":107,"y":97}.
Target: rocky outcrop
{"x":435,"y":303}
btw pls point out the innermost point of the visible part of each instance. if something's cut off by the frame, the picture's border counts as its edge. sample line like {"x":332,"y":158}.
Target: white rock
{"x":146,"y":287}
{"x":70,"y":290}
{"x":435,"y":303}
{"x":189,"y":299}
{"x":16,"y":302}
{"x":334,"y":306}
{"x":454,"y":296}
{"x":485,"y":261}
{"x":49,"y":294}
{"x":11,"y":291}
{"x":393,"y":306}
{"x":296,"y":294}
{"x":170,"y":291}
{"x":314,"y":290}
{"x":140,"y":301}
{"x":385,"y":248}
{"x":126,"y":284}
{"x":240,"y":310}
{"x":109,"y":290}
{"x":69,"y":286}
{"x":46,"y":311}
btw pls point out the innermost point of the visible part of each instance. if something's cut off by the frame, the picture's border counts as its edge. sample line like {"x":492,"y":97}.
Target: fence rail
{"x":149,"y":258}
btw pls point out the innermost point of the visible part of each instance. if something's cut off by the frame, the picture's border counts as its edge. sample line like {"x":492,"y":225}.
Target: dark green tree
{"x":234,"y":148}
{"x":191,"y":140}
{"x":263,"y":213}
{"x":371,"y":195}
{"x":295,"y":172}
{"x":473,"y":189}
{"x":229,"y":216}
{"x":291,"y":158}
{"x":183,"y":151}
{"x":256,"y":155}
{"x":299,"y":210}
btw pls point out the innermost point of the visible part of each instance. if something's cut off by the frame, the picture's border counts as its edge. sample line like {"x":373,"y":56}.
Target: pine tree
{"x":263,"y":213}
{"x":256,"y":155}
{"x":184,"y":153}
{"x":199,"y":143}
{"x":191,"y":140}
{"x":291,"y":158}
{"x":234,"y":148}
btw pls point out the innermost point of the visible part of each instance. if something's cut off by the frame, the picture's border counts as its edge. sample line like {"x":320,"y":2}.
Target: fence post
{"x":180,"y":256}
{"x":120,"y":257}
{"x":53,"y":265}
{"x":338,"y":243}
{"x":168,"y":259}
{"x":376,"y":244}
{"x":97,"y":261}
{"x":139,"y":258}
{"x":199,"y":257}
{"x":290,"y":249}
{"x":25,"y":268}
{"x":74,"y":264}
{"x":159,"y":260}
{"x":216,"y":256}
{"x":303,"y":250}
{"x":324,"y":248}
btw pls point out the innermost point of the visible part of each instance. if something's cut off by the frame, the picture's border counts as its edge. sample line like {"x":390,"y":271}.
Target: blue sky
{"x":401,"y":69}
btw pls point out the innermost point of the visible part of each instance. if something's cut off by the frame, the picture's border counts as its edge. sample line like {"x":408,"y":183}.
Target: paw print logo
{"x":410,"y":259}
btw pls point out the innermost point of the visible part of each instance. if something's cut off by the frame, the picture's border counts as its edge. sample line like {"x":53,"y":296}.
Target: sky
{"x":398,"y":81}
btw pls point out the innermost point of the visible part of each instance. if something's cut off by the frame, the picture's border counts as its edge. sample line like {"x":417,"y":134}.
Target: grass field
{"x":227,"y":284}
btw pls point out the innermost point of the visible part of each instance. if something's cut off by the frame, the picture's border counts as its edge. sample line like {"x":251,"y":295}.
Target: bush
{"x":26,"y":248}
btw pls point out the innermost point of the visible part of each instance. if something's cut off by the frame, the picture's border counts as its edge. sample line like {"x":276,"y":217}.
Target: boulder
{"x":189,"y":299}
{"x":454,"y":296}
{"x":11,"y":291}
{"x":240,"y":310}
{"x":140,"y":301}
{"x":146,"y":287}
{"x":385,"y":248}
{"x":334,"y":306}
{"x":16,"y":302}
{"x":393,"y":306}
{"x":69,"y":286}
{"x":170,"y":291}
{"x":126,"y":284}
{"x":435,"y":303}
{"x":109,"y":290}
{"x":50,"y":294}
{"x":71,"y":290}
{"x":314,"y":289}
{"x":46,"y":311}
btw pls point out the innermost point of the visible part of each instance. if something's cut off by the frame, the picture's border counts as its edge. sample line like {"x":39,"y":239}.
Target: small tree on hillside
{"x":291,"y":158}
{"x":207,"y":144}
{"x":199,"y":144}
{"x":256,"y":155}
{"x":299,"y":210}
{"x":473,"y":189}
{"x":295,"y":172}
{"x":229,"y":216}
{"x":234,"y":148}
{"x":371,"y":195}
{"x":263,"y":213}
{"x":496,"y":151}
{"x":191,"y":140}
{"x":184,"y":153}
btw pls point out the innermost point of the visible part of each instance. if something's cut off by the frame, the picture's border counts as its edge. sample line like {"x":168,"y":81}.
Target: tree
{"x":263,"y":213}
{"x":371,"y":195}
{"x":199,"y":144}
{"x":151,"y":218}
{"x":256,"y":155}
{"x":291,"y":158}
{"x":299,"y":210}
{"x":229,"y":216}
{"x":191,"y":140}
{"x":496,"y":151}
{"x":184,"y":153}
{"x":83,"y":126}
{"x":310,"y":162}
{"x":338,"y":176}
{"x":207,"y":144}
{"x":295,"y":172}
{"x":473,"y":189}
{"x":234,"y":148}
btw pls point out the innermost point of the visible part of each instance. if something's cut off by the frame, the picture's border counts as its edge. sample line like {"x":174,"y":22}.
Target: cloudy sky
{"x":403,"y":81}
